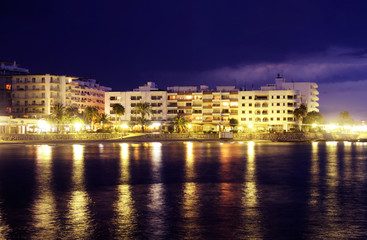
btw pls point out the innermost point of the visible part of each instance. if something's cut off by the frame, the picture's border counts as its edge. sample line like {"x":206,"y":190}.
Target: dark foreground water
{"x":184,"y":190}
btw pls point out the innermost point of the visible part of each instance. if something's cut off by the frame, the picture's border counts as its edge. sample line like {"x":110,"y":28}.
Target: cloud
{"x":343,"y":96}
{"x":334,"y":65}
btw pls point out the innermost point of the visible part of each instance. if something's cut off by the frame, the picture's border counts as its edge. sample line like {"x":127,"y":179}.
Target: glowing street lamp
{"x":78,"y":126}
{"x":43,"y":126}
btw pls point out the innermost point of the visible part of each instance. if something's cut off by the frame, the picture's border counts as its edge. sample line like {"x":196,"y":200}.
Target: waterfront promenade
{"x":97,"y":137}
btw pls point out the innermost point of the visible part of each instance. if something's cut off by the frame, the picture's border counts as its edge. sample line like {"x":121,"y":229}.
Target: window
{"x":250,"y":112}
{"x":188,"y":104}
{"x":243,"y":105}
{"x":278,"y":97}
{"x":250,"y":104}
{"x":243,"y":119}
{"x":243,"y":112}
{"x":113,"y":98}
{"x":33,"y":80}
{"x":156,"y":97}
{"x":243,"y":97}
{"x":278,"y":104}
{"x":278,"y":111}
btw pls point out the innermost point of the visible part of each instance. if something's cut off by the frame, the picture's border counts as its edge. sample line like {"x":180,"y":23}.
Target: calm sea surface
{"x":184,"y":190}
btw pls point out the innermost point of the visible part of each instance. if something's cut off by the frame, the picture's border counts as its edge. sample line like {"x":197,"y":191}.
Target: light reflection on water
{"x":78,"y":215}
{"x":44,"y":208}
{"x":189,"y":190}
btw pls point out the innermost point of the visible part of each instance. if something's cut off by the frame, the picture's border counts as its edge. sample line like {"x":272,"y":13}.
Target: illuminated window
{"x":8,"y":87}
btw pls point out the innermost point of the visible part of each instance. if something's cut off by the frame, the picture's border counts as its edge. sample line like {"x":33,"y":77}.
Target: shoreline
{"x":141,"y":140}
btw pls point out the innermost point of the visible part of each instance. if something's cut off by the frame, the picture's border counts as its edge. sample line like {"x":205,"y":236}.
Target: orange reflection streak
{"x":314,"y":174}
{"x":124,"y":159}
{"x":190,"y":206}
{"x":78,"y":215}
{"x":156,"y":160}
{"x":251,"y":212}
{"x":125,"y":214}
{"x":44,"y":207}
{"x":189,"y":163}
{"x":125,"y":222}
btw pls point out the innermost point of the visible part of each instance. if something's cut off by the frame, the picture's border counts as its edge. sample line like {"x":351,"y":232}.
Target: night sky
{"x":124,"y":44}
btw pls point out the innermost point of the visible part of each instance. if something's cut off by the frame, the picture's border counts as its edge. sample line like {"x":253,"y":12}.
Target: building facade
{"x":33,"y":96}
{"x":147,"y":93}
{"x":211,"y":109}
{"x":307,"y":91}
{"x":8,"y":69}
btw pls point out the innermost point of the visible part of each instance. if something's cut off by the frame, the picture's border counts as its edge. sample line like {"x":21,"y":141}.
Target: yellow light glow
{"x":314,"y":125}
{"x":189,"y":125}
{"x":78,"y":126}
{"x":156,"y":125}
{"x":250,"y":125}
{"x":234,"y":103}
{"x":44,"y":126}
{"x":225,"y":104}
{"x":331,"y":127}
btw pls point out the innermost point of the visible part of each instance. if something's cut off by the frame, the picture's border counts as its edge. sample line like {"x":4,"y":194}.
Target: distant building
{"x":7,"y":69}
{"x":307,"y":91}
{"x":270,"y":108}
{"x":33,"y":96}
{"x":11,"y":68}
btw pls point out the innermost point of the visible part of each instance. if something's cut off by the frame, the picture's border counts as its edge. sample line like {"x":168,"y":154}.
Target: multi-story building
{"x":147,"y":93}
{"x":34,"y":96}
{"x":212,"y":109}
{"x":307,"y":91}
{"x":7,"y":69}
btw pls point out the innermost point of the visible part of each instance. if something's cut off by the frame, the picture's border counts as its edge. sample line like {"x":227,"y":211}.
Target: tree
{"x":72,"y":112}
{"x":313,"y":118}
{"x":119,"y":110}
{"x":233,"y":122}
{"x":103,"y":119}
{"x":144,"y":109}
{"x":91,"y":115}
{"x":345,"y":119}
{"x":299,"y":113}
{"x":180,"y":123}
{"x":58,"y":115}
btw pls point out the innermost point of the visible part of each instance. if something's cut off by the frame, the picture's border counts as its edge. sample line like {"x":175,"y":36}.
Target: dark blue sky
{"x":123,"y":44}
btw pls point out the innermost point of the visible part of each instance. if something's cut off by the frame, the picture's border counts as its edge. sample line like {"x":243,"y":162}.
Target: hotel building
{"x":33,"y":96}
{"x":211,"y":109}
{"x":147,"y":93}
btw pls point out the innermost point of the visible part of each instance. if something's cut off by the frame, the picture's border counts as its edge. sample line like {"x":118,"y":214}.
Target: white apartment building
{"x":307,"y":91}
{"x":33,"y":96}
{"x":147,"y":93}
{"x":211,"y":109}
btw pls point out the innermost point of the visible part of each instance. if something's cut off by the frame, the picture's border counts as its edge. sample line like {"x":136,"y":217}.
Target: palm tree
{"x":58,"y":115}
{"x":299,"y":114}
{"x":91,"y":115}
{"x":180,"y":123}
{"x":104,"y":119}
{"x":144,"y":109}
{"x":72,"y":111}
{"x":119,"y":110}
